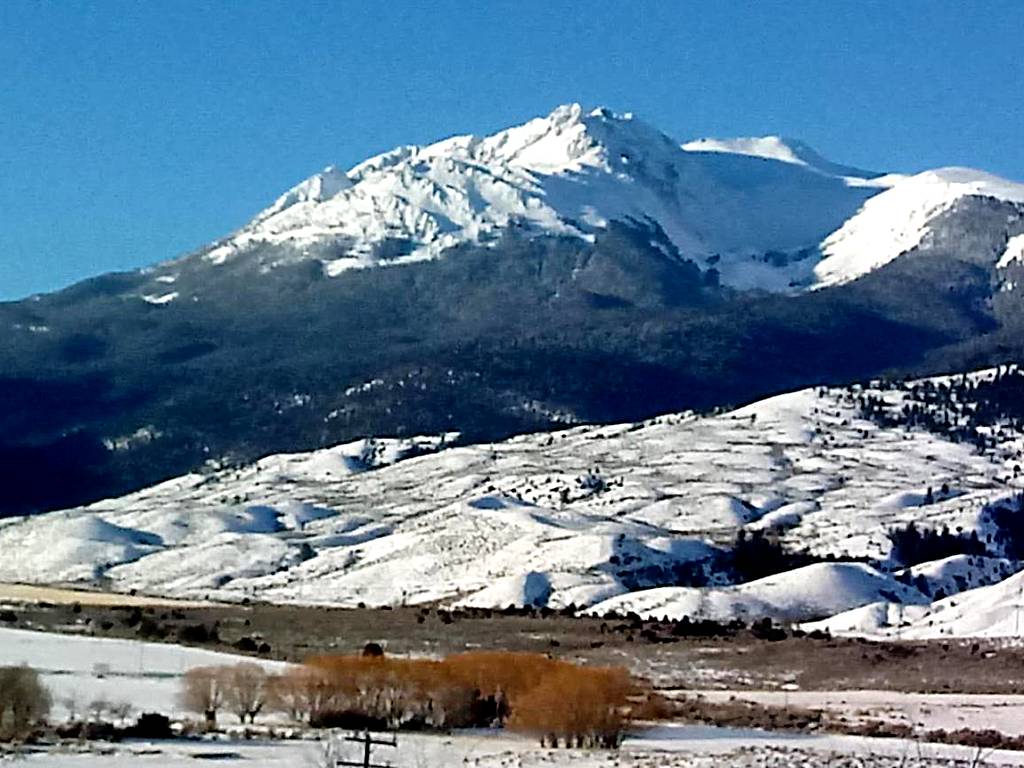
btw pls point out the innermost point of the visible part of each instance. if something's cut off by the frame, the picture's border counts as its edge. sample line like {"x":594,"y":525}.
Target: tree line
{"x":557,"y":702}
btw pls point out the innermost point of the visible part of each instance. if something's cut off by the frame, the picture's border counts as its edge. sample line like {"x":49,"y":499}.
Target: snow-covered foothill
{"x":958,"y":573}
{"x":995,"y":610}
{"x":992,"y":611}
{"x":814,"y":591}
{"x":577,"y":517}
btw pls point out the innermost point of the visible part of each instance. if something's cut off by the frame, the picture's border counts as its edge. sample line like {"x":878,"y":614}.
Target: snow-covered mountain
{"x":568,"y":173}
{"x":766,"y":213}
{"x":608,"y":517}
{"x":581,"y":267}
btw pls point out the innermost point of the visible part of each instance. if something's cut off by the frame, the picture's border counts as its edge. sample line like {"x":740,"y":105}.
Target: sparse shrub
{"x":150,"y":725}
{"x":151,"y":629}
{"x":246,"y":645}
{"x":766,"y":630}
{"x":198,"y":634}
{"x":465,"y":690}
{"x":373,"y":650}
{"x":575,"y":707}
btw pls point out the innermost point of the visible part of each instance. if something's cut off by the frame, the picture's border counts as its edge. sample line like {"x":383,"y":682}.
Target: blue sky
{"x":131,"y":132}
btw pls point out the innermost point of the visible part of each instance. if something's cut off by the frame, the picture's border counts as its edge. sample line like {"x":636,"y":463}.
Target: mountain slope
{"x":900,"y":218}
{"x":822,"y":589}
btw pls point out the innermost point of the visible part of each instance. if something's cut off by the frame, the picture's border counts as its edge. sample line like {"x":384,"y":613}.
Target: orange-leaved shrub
{"x":576,"y":707}
{"x":556,"y":701}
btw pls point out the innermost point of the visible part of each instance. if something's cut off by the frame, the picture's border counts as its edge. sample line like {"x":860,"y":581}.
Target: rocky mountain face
{"x":582,"y":267}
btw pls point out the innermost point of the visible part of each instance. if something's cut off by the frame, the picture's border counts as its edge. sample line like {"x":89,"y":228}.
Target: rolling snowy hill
{"x":582,"y":516}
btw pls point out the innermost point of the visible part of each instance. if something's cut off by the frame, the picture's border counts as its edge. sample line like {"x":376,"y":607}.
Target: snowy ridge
{"x":897,"y":220}
{"x":582,"y":516}
{"x":787,"y":150}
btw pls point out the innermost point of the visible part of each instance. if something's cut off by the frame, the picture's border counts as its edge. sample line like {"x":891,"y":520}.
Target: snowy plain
{"x":79,"y":670}
{"x":148,"y":676}
{"x":666,"y":747}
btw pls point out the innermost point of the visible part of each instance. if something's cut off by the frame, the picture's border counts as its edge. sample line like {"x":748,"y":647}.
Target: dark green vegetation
{"x":487,"y":341}
{"x":912,"y":545}
{"x":962,"y":409}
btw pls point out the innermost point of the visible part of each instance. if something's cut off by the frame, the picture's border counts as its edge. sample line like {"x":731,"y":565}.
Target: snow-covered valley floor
{"x":921,"y":711}
{"x":692,"y":747}
{"x":148,"y":677}
{"x":80,"y":670}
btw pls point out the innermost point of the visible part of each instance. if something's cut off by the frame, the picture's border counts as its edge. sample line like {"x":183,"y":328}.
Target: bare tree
{"x":202,"y":692}
{"x":24,"y":701}
{"x":72,"y":703}
{"x":327,"y":754}
{"x":97,"y":708}
{"x":245,"y":690}
{"x":120,"y":710}
{"x":304,"y":693}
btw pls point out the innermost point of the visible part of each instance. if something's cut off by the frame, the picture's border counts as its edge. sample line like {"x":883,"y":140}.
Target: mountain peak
{"x":567,"y":173}
{"x":317,"y":188}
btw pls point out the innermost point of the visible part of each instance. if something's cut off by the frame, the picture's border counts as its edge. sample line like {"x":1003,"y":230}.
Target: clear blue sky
{"x":131,"y":132}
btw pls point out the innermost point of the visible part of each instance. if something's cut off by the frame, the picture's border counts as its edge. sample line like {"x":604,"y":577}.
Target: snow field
{"x":692,"y":747}
{"x":146,"y":675}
